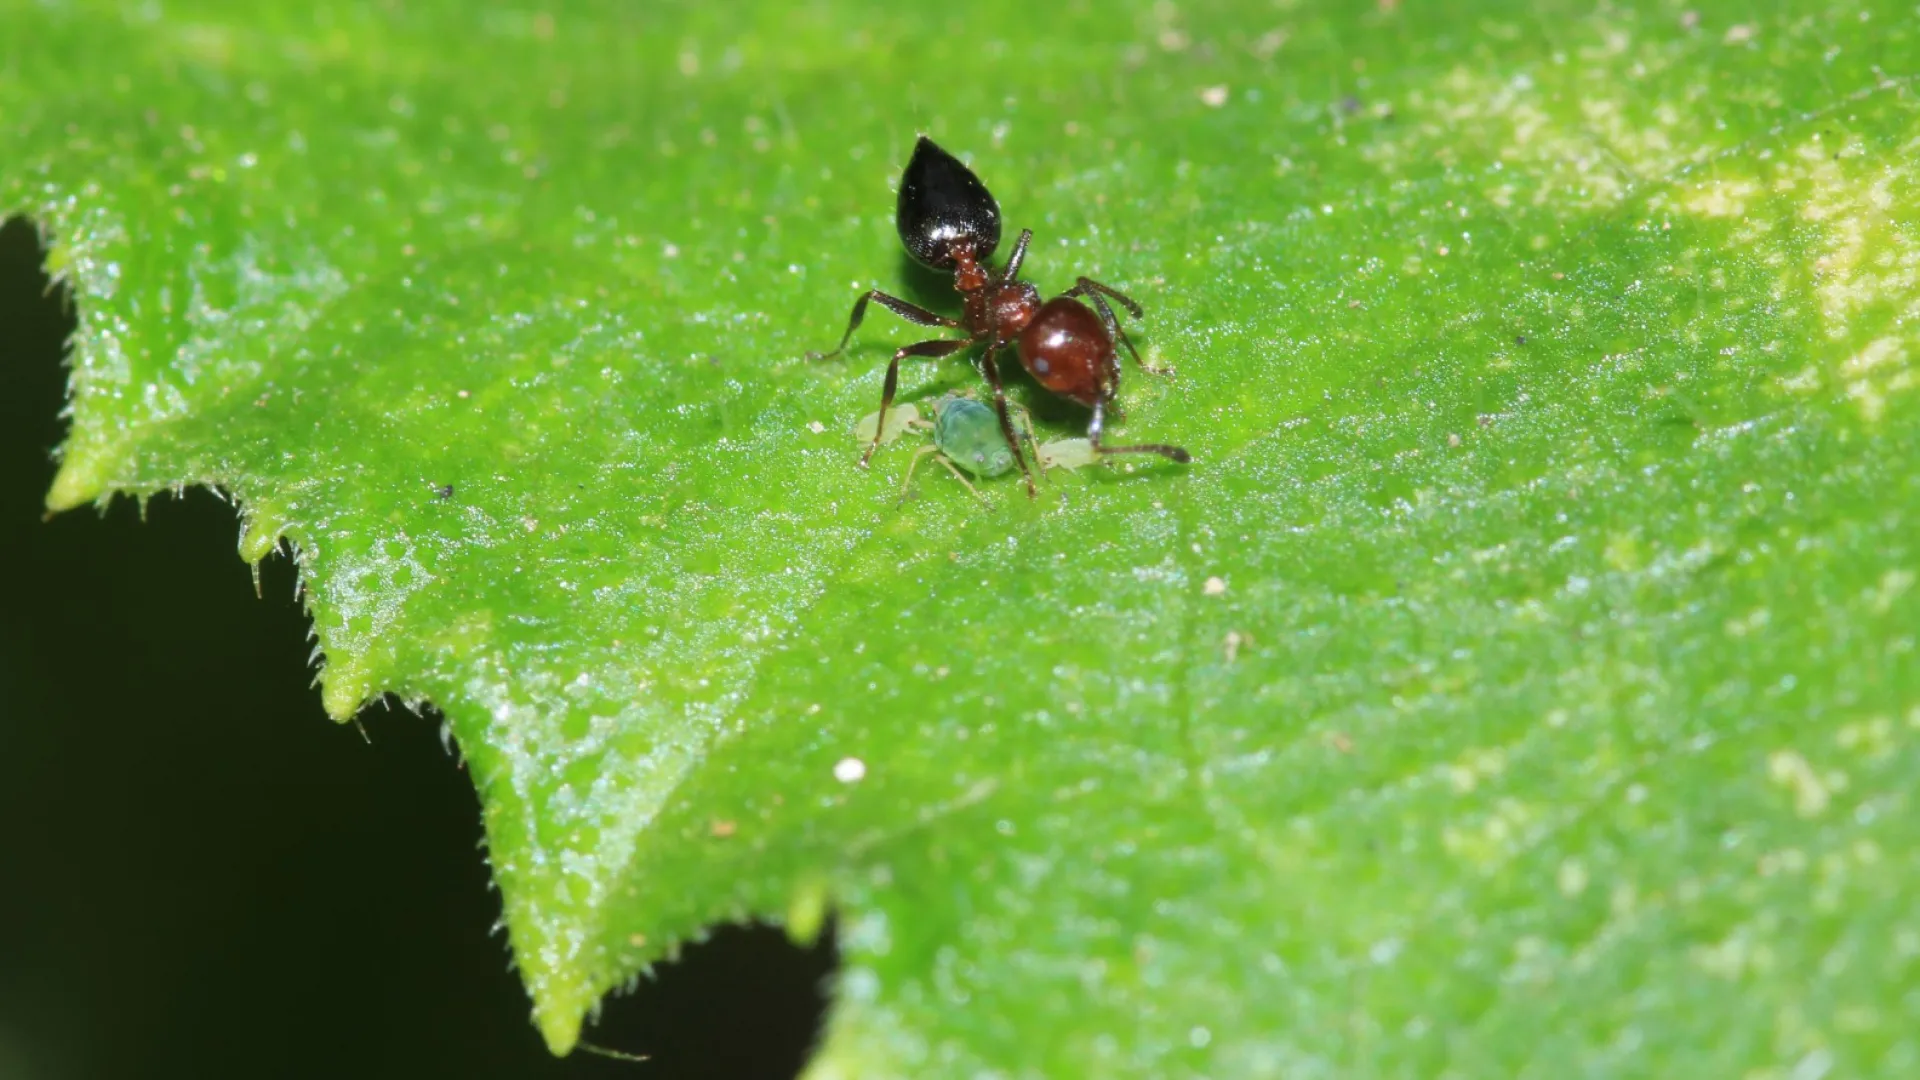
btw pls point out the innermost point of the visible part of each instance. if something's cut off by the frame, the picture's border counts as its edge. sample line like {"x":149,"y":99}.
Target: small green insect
{"x":1068,"y":454}
{"x":966,"y":435}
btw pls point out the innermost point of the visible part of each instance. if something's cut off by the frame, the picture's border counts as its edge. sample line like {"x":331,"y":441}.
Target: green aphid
{"x":966,"y":433}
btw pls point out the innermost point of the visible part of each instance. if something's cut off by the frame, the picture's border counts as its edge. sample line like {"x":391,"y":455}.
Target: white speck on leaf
{"x":1791,"y":771}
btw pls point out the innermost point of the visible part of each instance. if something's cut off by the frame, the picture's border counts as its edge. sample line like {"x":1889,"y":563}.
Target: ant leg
{"x":1098,"y":293}
{"x":1086,"y":286}
{"x":929,"y":349}
{"x":992,"y":371}
{"x":1171,"y":453}
{"x":1019,"y":256}
{"x":1113,"y":329}
{"x":918,"y":315}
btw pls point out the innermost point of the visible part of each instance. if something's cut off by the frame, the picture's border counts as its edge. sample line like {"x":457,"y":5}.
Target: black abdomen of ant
{"x":949,"y":221}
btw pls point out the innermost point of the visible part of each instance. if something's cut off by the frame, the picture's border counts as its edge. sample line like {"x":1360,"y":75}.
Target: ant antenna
{"x":617,"y":1055}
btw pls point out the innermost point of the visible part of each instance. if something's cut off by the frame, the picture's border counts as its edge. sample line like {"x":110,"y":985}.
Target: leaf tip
{"x":560,"y":1006}
{"x":83,"y":478}
{"x":559,"y":1024}
{"x":345,"y":685}
{"x":807,"y":912}
{"x":261,"y":534}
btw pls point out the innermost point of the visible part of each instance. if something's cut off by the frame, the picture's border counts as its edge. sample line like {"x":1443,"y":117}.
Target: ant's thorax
{"x":995,"y":310}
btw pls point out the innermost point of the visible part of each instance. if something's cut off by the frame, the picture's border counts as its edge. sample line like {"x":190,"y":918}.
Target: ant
{"x":949,"y":221}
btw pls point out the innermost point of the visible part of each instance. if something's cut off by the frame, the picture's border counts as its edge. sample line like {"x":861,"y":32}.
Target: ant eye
{"x":944,"y":207}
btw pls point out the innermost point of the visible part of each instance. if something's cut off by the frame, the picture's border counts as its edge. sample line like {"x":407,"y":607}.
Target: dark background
{"x":201,"y":875}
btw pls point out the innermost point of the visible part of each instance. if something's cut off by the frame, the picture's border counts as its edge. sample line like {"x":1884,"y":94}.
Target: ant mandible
{"x":949,"y":221}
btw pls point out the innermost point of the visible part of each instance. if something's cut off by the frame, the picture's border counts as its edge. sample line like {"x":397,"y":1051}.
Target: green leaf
{"x":1521,"y":681}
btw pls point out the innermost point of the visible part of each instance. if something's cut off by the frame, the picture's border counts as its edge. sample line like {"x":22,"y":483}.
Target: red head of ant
{"x":949,"y":221}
